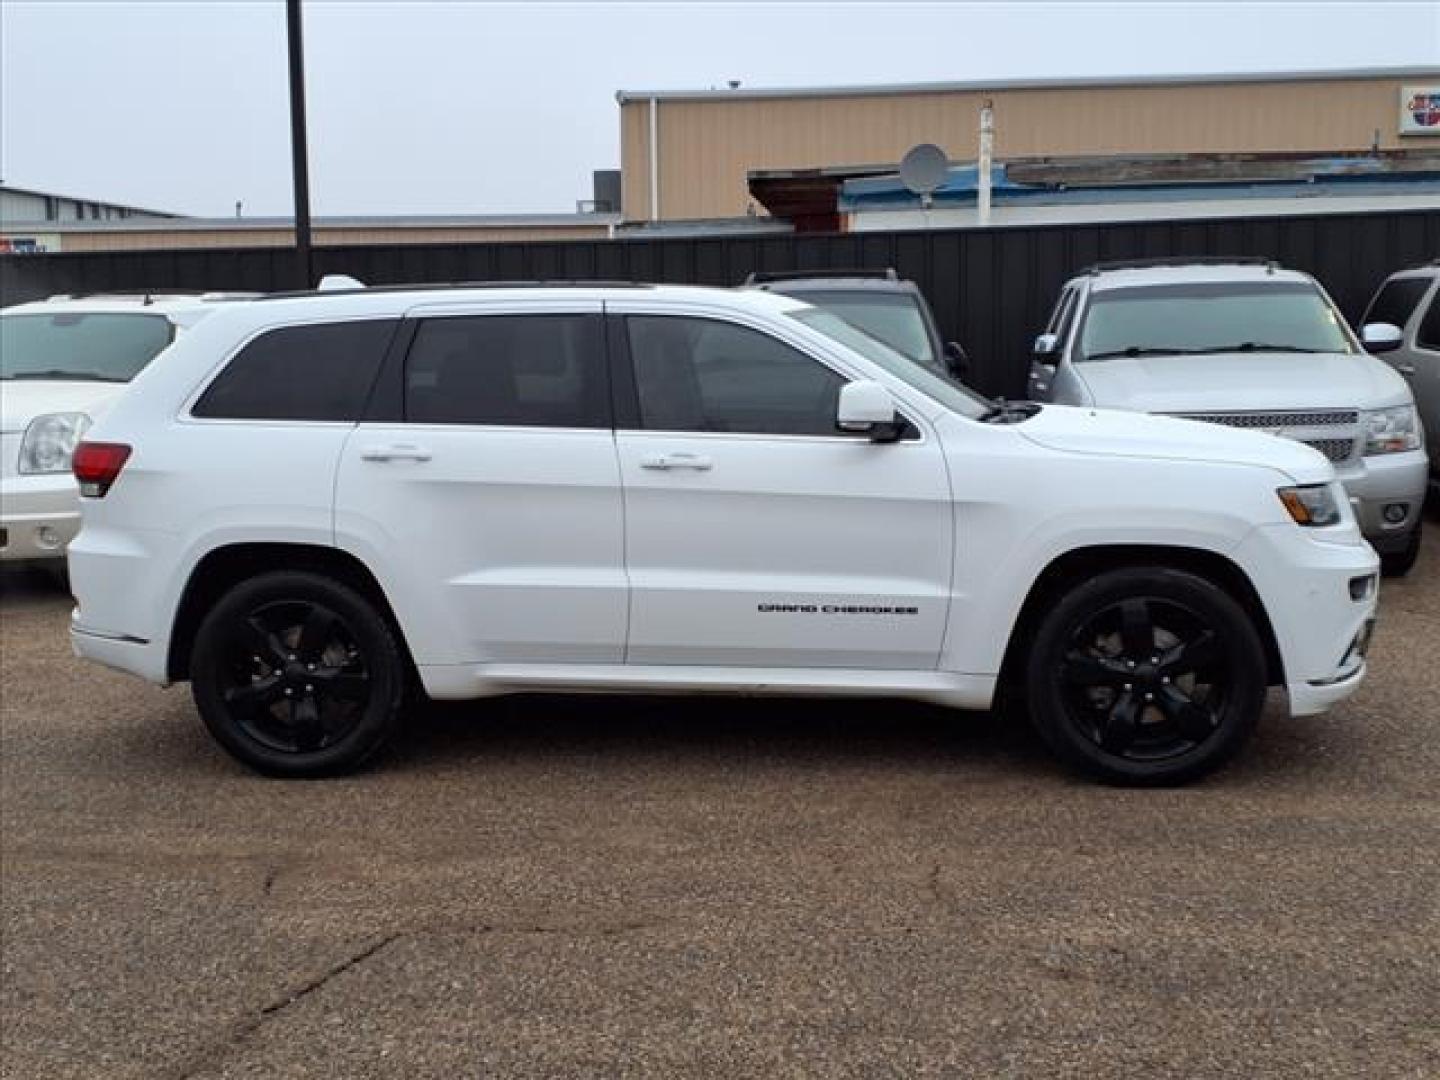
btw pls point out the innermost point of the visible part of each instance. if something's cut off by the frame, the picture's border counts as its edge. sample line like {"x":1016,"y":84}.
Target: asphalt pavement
{"x":731,"y":887}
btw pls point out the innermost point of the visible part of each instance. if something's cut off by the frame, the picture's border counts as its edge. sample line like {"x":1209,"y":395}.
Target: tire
{"x":1087,"y":675}
{"x":297,"y":675}
{"x":1399,"y":563}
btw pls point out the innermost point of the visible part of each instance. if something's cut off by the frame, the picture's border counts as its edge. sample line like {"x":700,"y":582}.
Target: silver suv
{"x":1245,"y":343}
{"x":1410,"y":302}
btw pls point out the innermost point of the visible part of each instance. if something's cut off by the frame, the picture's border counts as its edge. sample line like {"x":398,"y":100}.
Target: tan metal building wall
{"x":709,"y":141}
{"x":73,"y":238}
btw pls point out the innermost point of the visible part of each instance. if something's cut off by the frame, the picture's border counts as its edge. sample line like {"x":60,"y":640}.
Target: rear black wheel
{"x":1146,"y":676}
{"x":296,"y":674}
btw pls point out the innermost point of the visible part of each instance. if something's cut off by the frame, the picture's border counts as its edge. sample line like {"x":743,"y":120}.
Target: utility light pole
{"x":298,"y":153}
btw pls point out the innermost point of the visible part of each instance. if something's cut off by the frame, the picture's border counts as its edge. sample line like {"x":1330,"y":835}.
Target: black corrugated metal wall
{"x":990,"y":288}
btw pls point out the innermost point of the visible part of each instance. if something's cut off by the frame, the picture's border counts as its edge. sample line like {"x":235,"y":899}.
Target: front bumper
{"x":1385,"y":480}
{"x":1321,"y":598}
{"x":39,"y":516}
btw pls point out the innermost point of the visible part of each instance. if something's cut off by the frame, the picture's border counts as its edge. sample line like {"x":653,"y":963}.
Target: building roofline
{"x":254,"y":224}
{"x":86,"y":199}
{"x":625,"y":97}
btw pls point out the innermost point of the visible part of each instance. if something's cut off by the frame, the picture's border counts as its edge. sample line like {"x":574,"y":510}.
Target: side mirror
{"x":866,"y":406}
{"x":956,"y":362}
{"x":1047,"y":350}
{"x":1378,"y":337}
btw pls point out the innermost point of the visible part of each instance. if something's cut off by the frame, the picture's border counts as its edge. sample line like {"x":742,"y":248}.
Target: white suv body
{"x":1199,"y":340}
{"x":63,"y":363}
{"x":648,"y":489}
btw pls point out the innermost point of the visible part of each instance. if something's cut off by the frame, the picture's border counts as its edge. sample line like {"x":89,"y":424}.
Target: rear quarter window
{"x":322,"y":371}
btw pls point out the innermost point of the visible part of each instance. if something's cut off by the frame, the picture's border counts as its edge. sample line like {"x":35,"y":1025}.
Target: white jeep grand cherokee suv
{"x":319,"y":501}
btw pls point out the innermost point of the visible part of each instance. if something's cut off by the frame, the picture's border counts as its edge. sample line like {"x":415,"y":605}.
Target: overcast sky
{"x":437,"y":107}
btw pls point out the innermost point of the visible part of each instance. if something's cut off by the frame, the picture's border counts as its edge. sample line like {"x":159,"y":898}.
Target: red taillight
{"x":97,"y":464}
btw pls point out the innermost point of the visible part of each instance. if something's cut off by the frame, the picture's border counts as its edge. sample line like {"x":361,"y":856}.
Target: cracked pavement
{"x":712,"y":887}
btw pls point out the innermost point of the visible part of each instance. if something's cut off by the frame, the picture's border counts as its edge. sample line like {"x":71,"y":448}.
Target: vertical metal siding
{"x":991,"y":288}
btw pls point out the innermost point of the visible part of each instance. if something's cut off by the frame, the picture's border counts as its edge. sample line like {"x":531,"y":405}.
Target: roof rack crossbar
{"x":765,"y":277}
{"x":1182,"y":260}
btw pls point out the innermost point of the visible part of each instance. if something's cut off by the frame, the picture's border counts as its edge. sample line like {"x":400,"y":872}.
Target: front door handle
{"x":395,"y":452}
{"x":677,"y":461}
{"x":1405,"y":369}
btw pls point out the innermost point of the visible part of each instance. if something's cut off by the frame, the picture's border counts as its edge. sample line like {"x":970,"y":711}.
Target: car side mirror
{"x":866,"y":407}
{"x":956,"y":362}
{"x":1378,"y":337}
{"x":1047,"y":350}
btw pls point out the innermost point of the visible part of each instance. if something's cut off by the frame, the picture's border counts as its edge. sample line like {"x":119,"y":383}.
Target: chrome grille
{"x":1334,"y":449}
{"x":1334,"y":432}
{"x":1275,"y":420}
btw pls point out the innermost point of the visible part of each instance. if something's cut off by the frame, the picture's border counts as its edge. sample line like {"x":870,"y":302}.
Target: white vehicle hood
{"x":1242,"y":382}
{"x":21,"y":400}
{"x":1128,"y":434}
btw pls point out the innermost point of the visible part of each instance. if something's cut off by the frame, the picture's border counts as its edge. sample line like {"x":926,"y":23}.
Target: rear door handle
{"x":1405,"y":369}
{"x":677,"y":461}
{"x":395,"y":452}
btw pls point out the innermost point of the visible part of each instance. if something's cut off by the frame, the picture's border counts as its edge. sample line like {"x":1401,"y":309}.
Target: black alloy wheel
{"x":1147,"y":676}
{"x":296,"y":674}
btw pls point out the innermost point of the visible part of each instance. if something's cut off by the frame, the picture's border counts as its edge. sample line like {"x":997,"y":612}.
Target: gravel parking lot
{"x":671,"y":887}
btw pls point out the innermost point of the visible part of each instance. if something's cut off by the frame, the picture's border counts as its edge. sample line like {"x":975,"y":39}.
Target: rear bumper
{"x":39,"y":516}
{"x":119,"y":651}
{"x":1385,"y":480}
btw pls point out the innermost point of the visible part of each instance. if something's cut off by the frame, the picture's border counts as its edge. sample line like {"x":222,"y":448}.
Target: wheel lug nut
{"x":289,"y":692}
{"x":1149,"y":697}
{"x":309,"y":689}
{"x":1128,"y":688}
{"x":309,"y":667}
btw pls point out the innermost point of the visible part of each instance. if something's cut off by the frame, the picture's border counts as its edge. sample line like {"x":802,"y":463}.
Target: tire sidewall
{"x":1238,"y":638}
{"x":377,"y":644}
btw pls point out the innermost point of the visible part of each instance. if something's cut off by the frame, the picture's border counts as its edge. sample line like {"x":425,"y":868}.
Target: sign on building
{"x":37,"y":244}
{"x":1420,"y":110}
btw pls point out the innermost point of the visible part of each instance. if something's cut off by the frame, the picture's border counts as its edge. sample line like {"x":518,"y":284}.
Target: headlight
{"x":50,"y":441}
{"x":1388,"y":431}
{"x":1313,"y":504}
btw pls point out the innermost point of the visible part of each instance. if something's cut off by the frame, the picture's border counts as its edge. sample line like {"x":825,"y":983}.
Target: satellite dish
{"x":924,"y":168}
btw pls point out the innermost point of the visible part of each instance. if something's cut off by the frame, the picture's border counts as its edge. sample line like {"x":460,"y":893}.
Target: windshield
{"x":1157,"y":320}
{"x":894,"y":318}
{"x":950,"y":394}
{"x":97,"y":347}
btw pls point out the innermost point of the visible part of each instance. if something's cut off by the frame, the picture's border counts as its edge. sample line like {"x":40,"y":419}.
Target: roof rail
{"x":149,"y":296}
{"x":1183,"y":260}
{"x":766,"y":277}
{"x":451,"y":286}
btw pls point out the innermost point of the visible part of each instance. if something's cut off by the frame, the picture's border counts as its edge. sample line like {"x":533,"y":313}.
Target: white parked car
{"x":1245,"y":344}
{"x":63,"y":363}
{"x":318,"y":501}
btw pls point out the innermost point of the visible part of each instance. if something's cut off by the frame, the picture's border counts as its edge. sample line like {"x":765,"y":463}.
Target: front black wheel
{"x":1401,"y":562}
{"x":296,"y":674}
{"x":1146,"y":676}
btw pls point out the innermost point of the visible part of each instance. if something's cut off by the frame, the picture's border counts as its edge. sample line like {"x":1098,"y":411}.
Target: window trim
{"x":627,"y":390}
{"x":1429,"y":305}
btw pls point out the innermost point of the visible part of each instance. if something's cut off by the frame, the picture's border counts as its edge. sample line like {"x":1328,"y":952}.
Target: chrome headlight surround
{"x":1390,"y":431}
{"x":50,"y":441}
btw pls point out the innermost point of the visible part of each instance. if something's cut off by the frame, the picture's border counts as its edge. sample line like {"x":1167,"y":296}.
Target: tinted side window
{"x":318,"y":372}
{"x":706,"y":375}
{"x":1396,"y":300}
{"x":526,"y":370}
{"x":1428,"y":336}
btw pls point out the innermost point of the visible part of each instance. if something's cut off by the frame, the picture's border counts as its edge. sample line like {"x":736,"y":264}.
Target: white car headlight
{"x":50,"y":441}
{"x":1388,"y":431}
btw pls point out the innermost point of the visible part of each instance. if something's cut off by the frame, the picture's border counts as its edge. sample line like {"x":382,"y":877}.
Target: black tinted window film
{"x":525,"y":370}
{"x":319,"y":372}
{"x":705,"y":375}
{"x":1396,"y":300}
{"x":1428,"y":336}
